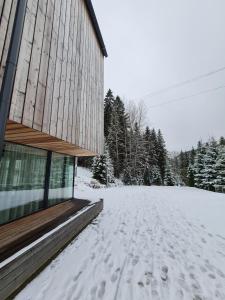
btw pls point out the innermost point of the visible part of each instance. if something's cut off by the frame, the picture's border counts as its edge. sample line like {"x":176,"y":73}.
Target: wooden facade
{"x":57,"y":98}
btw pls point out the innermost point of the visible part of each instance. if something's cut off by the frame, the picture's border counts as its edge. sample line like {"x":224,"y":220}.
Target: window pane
{"x":22,"y":175}
{"x":61,"y":179}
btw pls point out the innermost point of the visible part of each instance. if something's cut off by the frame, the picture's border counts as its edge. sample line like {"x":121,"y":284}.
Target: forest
{"x":136,"y":154}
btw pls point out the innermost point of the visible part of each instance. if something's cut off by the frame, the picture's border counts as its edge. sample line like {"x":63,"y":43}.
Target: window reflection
{"x":61,"y":178}
{"x":22,"y":175}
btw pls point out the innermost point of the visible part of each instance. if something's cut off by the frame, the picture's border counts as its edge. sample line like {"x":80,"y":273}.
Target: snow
{"x":148,"y":243}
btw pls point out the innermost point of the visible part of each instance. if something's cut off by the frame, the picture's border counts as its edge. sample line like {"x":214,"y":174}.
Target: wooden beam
{"x":18,"y":133}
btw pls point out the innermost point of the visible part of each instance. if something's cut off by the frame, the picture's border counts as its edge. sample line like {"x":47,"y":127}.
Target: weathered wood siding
{"x":7,"y":14}
{"x":58,"y":86}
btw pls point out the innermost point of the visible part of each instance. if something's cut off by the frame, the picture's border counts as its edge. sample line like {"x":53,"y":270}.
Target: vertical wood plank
{"x":32,"y":82}
{"x":44,"y":65}
{"x":51,"y":68}
{"x":21,"y":76}
{"x":63,"y":98}
{"x":4,"y":52}
{"x":72,"y":103}
{"x":1,"y":8}
{"x":4,"y":23}
{"x":84,"y":83}
{"x":70,"y":77}
{"x":76,"y":83}
{"x":58,"y":71}
{"x":78,"y":79}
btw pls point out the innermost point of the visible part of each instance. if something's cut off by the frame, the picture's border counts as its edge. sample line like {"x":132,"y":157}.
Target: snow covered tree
{"x":138,"y":155}
{"x":169,"y":179}
{"x":102,"y":168}
{"x":108,"y":107}
{"x":191,"y":175}
{"x":117,"y":136}
{"x":151,"y":174}
{"x":184,"y":163}
{"x":220,"y":168}
{"x":161,"y":154}
{"x":222,"y":141}
{"x":208,"y":172}
{"x":155,"y":176}
{"x":199,"y":165}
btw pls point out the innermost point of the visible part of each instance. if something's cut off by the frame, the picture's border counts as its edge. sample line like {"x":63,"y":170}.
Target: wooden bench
{"x":19,"y":233}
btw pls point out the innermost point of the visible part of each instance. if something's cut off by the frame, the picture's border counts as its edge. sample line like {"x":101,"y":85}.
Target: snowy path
{"x":122,"y":253}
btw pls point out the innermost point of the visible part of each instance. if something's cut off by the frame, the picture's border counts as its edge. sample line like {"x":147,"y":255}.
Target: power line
{"x":188,"y":97}
{"x":161,"y":91}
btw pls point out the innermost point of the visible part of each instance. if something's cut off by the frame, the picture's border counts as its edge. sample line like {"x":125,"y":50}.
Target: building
{"x":51,"y":106}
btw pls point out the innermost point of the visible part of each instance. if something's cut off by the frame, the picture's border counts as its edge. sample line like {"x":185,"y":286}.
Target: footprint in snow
{"x":115,"y":275}
{"x":93,"y":292}
{"x":180,"y":294}
{"x":101,"y":291}
{"x":148,"y":277}
{"x":220,"y":273}
{"x":197,"y":297}
{"x":212,"y":276}
{"x":107,"y":258}
{"x":135,"y":261}
{"x":164,"y":273}
{"x":204,"y":241}
{"x":141,"y":284}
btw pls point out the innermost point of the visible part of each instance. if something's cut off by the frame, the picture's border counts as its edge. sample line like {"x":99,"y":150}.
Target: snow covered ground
{"x":142,"y":231}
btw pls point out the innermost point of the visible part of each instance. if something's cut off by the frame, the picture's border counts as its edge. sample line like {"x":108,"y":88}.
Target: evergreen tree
{"x":102,"y":168}
{"x":108,"y":107}
{"x":222,"y":141}
{"x":220,"y":168}
{"x":169,"y":177}
{"x":199,"y":165}
{"x":191,"y":175}
{"x":155,"y":175}
{"x":117,"y":136}
{"x":184,"y":163}
{"x":151,"y":173}
{"x":162,"y":154}
{"x":138,"y":154}
{"x":208,"y":172}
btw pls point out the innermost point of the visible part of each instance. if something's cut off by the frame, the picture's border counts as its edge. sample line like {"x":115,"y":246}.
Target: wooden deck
{"x":19,"y":233}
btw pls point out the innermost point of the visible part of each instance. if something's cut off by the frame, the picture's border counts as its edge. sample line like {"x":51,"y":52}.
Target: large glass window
{"x":22,"y":177}
{"x":61,"y":178}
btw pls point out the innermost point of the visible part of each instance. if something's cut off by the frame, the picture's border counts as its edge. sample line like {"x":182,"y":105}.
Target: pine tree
{"x":162,"y":154}
{"x":199,"y":165}
{"x":184,"y":163}
{"x":155,"y":176}
{"x":220,"y":168}
{"x":222,"y":141}
{"x":151,"y":172}
{"x":108,"y":107}
{"x":191,"y":175}
{"x":169,"y":176}
{"x":117,"y":136}
{"x":208,"y":172}
{"x":138,"y":154}
{"x":102,"y":168}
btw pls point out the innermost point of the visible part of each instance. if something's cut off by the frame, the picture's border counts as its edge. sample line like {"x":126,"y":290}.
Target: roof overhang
{"x":96,"y":26}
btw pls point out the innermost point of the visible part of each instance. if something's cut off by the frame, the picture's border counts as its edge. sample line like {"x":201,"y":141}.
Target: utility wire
{"x":188,"y":97}
{"x":161,"y":91}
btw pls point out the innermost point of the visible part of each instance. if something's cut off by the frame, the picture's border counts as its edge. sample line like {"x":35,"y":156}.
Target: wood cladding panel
{"x":7,"y":14}
{"x":58,"y":86}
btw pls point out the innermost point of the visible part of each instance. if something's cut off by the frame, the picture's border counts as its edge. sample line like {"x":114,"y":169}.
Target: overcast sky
{"x":153,"y":44}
